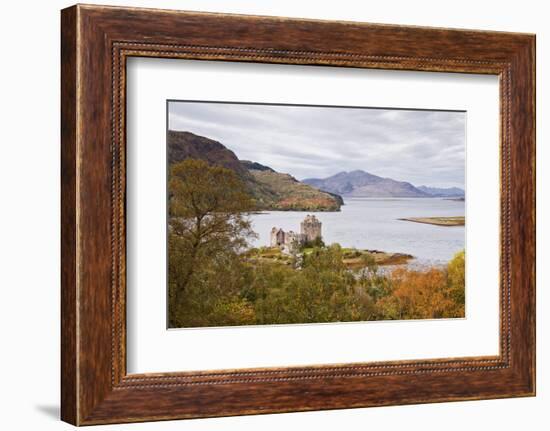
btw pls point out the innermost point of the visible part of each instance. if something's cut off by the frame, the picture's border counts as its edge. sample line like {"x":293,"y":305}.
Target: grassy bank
{"x":352,"y":258}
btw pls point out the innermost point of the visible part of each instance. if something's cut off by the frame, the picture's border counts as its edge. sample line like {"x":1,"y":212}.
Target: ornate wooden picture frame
{"x":96,"y":41}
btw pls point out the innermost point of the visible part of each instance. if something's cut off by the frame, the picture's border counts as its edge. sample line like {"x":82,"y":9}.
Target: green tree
{"x":321,"y":291}
{"x":371,"y":287}
{"x":317,"y":242}
{"x":208,"y":227}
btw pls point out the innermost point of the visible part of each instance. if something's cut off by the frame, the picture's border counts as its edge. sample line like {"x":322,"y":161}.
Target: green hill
{"x":271,"y":190}
{"x":292,"y":195}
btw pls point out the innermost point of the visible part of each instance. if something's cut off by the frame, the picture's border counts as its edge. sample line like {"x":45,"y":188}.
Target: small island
{"x":285,"y":246}
{"x":438,"y":221}
{"x":353,"y":259}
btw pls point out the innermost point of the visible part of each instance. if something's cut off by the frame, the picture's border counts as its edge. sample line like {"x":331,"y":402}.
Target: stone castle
{"x":310,"y":230}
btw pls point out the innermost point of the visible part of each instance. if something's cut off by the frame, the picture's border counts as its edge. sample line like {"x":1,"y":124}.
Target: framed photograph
{"x":263,"y":214}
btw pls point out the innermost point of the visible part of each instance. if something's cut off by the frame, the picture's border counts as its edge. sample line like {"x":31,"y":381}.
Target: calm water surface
{"x":370,"y":223}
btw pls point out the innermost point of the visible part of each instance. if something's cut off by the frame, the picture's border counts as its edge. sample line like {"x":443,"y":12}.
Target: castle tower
{"x":278,"y":237}
{"x":310,"y":227}
{"x":273,"y":237}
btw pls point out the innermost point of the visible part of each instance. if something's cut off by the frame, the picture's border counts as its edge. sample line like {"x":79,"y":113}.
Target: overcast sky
{"x":422,"y":147}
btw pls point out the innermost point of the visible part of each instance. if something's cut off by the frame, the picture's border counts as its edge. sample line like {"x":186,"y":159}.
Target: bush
{"x":317,"y":242}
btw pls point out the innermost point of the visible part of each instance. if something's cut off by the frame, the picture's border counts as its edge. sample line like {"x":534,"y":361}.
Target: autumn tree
{"x":430,"y":294}
{"x":456,"y":281}
{"x":208,"y":227}
{"x":417,"y":295}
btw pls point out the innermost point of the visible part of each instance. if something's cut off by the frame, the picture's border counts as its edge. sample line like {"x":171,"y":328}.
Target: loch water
{"x":373,"y":223}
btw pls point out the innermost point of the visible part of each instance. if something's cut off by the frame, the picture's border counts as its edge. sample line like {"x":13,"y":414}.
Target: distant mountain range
{"x":359,"y":183}
{"x":450,"y":192}
{"x":270,"y":189}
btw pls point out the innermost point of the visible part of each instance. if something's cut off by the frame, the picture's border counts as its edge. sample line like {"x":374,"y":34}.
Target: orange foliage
{"x":420,"y":295}
{"x":301,"y":202}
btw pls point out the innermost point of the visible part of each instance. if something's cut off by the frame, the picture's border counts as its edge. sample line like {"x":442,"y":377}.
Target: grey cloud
{"x":423,"y":147}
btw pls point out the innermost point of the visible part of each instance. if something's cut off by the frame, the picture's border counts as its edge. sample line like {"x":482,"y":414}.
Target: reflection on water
{"x":373,"y":224}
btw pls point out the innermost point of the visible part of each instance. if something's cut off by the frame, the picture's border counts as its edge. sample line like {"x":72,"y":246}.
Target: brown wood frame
{"x":95,"y":43}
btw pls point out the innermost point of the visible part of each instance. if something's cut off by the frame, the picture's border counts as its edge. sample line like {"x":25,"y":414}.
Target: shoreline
{"x":437,"y":221}
{"x":352,"y":258}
